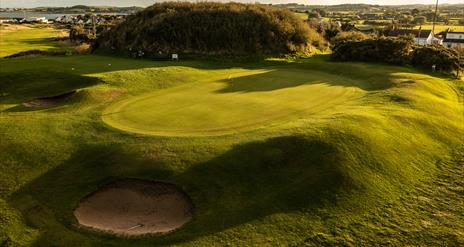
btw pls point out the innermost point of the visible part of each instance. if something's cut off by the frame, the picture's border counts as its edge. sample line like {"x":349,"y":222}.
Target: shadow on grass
{"x":19,"y":87}
{"x":247,"y":183}
{"x":280,"y":78}
{"x":48,"y":76}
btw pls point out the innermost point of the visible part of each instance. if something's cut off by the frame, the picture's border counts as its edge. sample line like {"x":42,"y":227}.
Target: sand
{"x":48,"y":101}
{"x":135,"y":207}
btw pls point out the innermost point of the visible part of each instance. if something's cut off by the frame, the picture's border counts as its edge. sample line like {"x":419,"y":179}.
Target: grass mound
{"x":211,"y":28}
{"x":135,"y":207}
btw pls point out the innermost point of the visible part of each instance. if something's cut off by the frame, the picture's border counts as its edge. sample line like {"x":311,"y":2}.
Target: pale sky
{"x":143,"y":3}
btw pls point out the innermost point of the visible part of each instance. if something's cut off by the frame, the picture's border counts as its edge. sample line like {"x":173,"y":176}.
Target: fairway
{"x":19,"y":38}
{"x":234,"y":100}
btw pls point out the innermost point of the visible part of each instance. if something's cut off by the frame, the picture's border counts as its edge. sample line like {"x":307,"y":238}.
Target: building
{"x":7,"y":20}
{"x":453,"y":40}
{"x":421,"y":37}
{"x":35,"y":20}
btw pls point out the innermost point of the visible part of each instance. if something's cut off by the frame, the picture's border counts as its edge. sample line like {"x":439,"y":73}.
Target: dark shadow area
{"x":334,"y":74}
{"x":20,"y":87}
{"x":257,"y":179}
{"x":284,"y":78}
{"x":45,"y":76}
{"x":49,"y":103}
{"x":48,"y":202}
{"x":268,"y":81}
{"x":40,"y":41}
{"x":248,"y":182}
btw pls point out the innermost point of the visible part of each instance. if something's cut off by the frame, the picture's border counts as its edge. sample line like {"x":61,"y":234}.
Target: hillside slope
{"x":211,"y":28}
{"x":363,"y":172}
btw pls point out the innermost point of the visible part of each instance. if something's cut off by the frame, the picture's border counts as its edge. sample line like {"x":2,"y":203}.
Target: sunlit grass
{"x":315,"y":147}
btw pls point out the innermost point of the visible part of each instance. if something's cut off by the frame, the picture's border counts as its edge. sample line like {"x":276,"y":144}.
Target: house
{"x":421,"y":37}
{"x":453,"y":39}
{"x":7,"y":20}
{"x":35,"y":20}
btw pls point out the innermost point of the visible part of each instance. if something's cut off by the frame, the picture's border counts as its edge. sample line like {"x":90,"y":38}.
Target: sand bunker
{"x":135,"y":207}
{"x":48,"y":101}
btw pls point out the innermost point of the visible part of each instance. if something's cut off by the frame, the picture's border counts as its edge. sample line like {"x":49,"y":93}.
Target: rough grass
{"x":20,"y":38}
{"x":364,"y":172}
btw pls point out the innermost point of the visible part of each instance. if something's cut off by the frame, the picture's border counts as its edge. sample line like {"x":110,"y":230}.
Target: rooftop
{"x":404,"y":32}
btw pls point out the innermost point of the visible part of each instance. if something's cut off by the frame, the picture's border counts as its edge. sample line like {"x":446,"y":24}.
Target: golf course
{"x":258,"y":152}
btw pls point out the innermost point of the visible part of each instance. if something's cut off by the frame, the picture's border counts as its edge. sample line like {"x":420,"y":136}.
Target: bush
{"x":387,"y":50}
{"x":420,"y":20}
{"x":211,"y":28}
{"x":83,"y":48}
{"x":78,"y":33}
{"x":400,"y":51}
{"x":444,"y":59}
{"x":349,"y":36}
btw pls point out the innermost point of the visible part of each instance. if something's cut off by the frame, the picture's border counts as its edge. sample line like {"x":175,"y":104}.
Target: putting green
{"x":233,"y":100}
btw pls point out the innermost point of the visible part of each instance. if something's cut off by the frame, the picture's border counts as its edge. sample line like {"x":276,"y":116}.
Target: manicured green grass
{"x":19,"y":38}
{"x":233,"y":100}
{"x":339,"y":157}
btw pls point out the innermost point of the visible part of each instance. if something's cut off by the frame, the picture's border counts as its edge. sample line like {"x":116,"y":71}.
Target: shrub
{"x":444,"y":59}
{"x":211,"y":28}
{"x":349,"y":36}
{"x":387,"y":50}
{"x":420,"y":20}
{"x":83,"y":48}
{"x":400,"y":51}
{"x":78,"y":33}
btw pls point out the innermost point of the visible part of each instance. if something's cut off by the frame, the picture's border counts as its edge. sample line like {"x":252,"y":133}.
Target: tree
{"x":331,"y":31}
{"x":420,"y":20}
{"x":321,"y":12}
{"x":314,"y":14}
{"x":212,"y":28}
{"x":415,"y":12}
{"x":78,"y":33}
{"x":406,"y":19}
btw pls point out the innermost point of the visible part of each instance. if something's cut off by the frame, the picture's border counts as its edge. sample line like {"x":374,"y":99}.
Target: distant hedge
{"x":399,"y":51}
{"x":211,"y":28}
{"x":386,"y":50}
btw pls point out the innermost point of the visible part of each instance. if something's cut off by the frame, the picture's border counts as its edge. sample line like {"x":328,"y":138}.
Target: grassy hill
{"x":211,"y":28}
{"x":305,"y":152}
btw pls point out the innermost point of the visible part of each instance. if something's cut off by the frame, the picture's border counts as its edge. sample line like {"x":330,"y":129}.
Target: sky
{"x":143,"y":3}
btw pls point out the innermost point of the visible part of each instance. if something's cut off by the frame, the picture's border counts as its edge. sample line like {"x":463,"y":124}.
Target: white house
{"x":35,"y":19}
{"x":453,"y":39}
{"x":7,"y":21}
{"x":421,"y":37}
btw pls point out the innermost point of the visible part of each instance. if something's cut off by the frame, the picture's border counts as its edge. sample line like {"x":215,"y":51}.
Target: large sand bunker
{"x":48,"y":101}
{"x":135,"y":207}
